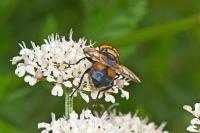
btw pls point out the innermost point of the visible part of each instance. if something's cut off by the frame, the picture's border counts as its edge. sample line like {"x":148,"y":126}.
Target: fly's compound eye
{"x":104,"y":50}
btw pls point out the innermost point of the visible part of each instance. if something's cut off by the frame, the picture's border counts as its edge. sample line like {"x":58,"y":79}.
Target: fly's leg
{"x":104,"y":89}
{"x":80,"y":82}
{"x":108,"y":87}
{"x":81,"y":60}
{"x":117,"y":76}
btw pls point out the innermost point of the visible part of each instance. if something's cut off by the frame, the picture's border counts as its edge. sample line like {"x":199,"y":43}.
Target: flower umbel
{"x":50,"y":61}
{"x":88,"y":123}
{"x":195,"y":122}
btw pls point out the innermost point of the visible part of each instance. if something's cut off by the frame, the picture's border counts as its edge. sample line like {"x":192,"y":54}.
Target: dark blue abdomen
{"x":100,"y":78}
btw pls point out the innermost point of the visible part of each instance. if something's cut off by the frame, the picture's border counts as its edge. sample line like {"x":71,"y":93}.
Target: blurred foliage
{"x":159,"y":39}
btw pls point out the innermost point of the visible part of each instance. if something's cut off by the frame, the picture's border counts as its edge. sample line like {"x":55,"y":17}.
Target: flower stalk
{"x":68,"y":104}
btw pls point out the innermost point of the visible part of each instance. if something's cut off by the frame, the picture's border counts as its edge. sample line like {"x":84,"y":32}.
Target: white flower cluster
{"x":50,"y":61}
{"x":195,"y":122}
{"x":88,"y":123}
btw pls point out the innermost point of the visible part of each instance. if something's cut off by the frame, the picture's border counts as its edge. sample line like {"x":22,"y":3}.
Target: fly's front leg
{"x":80,"y":82}
{"x":81,"y":60}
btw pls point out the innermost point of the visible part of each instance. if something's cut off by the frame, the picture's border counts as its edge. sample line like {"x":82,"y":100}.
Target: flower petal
{"x":197,"y":110}
{"x":109,"y":98}
{"x":57,"y":90}
{"x":31,"y":80}
{"x":125,"y":94}
{"x":94,"y":94}
{"x":68,"y":84}
{"x":73,"y":115}
{"x":20,"y":71}
{"x":192,"y":128}
{"x":16,"y":59}
{"x":195,"y":121}
{"x":76,"y":81}
{"x":85,"y":97}
{"x":50,"y":79}
{"x":188,"y":108}
{"x":44,"y":125}
{"x":30,"y":69}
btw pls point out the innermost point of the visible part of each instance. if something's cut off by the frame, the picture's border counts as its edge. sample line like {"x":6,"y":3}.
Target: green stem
{"x":68,"y":104}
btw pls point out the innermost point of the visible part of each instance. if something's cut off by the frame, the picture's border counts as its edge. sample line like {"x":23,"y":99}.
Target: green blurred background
{"x":159,"y":39}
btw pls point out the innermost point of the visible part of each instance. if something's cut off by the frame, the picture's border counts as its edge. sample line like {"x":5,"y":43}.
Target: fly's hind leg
{"x":108,"y":87}
{"x":97,"y":98}
{"x":104,"y":89}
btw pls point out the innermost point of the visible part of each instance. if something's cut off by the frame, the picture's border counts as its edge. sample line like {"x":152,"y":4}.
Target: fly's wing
{"x":125,"y":72}
{"x":97,"y":56}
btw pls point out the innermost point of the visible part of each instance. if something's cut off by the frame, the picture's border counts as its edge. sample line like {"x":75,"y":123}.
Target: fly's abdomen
{"x":100,"y":78}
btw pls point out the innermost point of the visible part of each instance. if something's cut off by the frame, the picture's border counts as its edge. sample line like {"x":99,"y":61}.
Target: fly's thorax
{"x":111,"y":53}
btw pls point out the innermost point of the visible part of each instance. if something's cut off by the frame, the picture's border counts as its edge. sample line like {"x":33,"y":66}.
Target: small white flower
{"x":85,"y":97}
{"x":50,"y":79}
{"x":21,"y":70}
{"x":30,"y":69}
{"x":195,"y":122}
{"x":57,"y":90}
{"x":31,"y":80}
{"x":94,"y":94}
{"x":109,"y":98}
{"x":45,"y":125}
{"x":125,"y":94}
{"x":73,"y":115}
{"x":67,"y":84}
{"x":86,"y":122}
{"x":16,"y":59}
{"x":192,"y":128}
{"x":76,"y":81}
